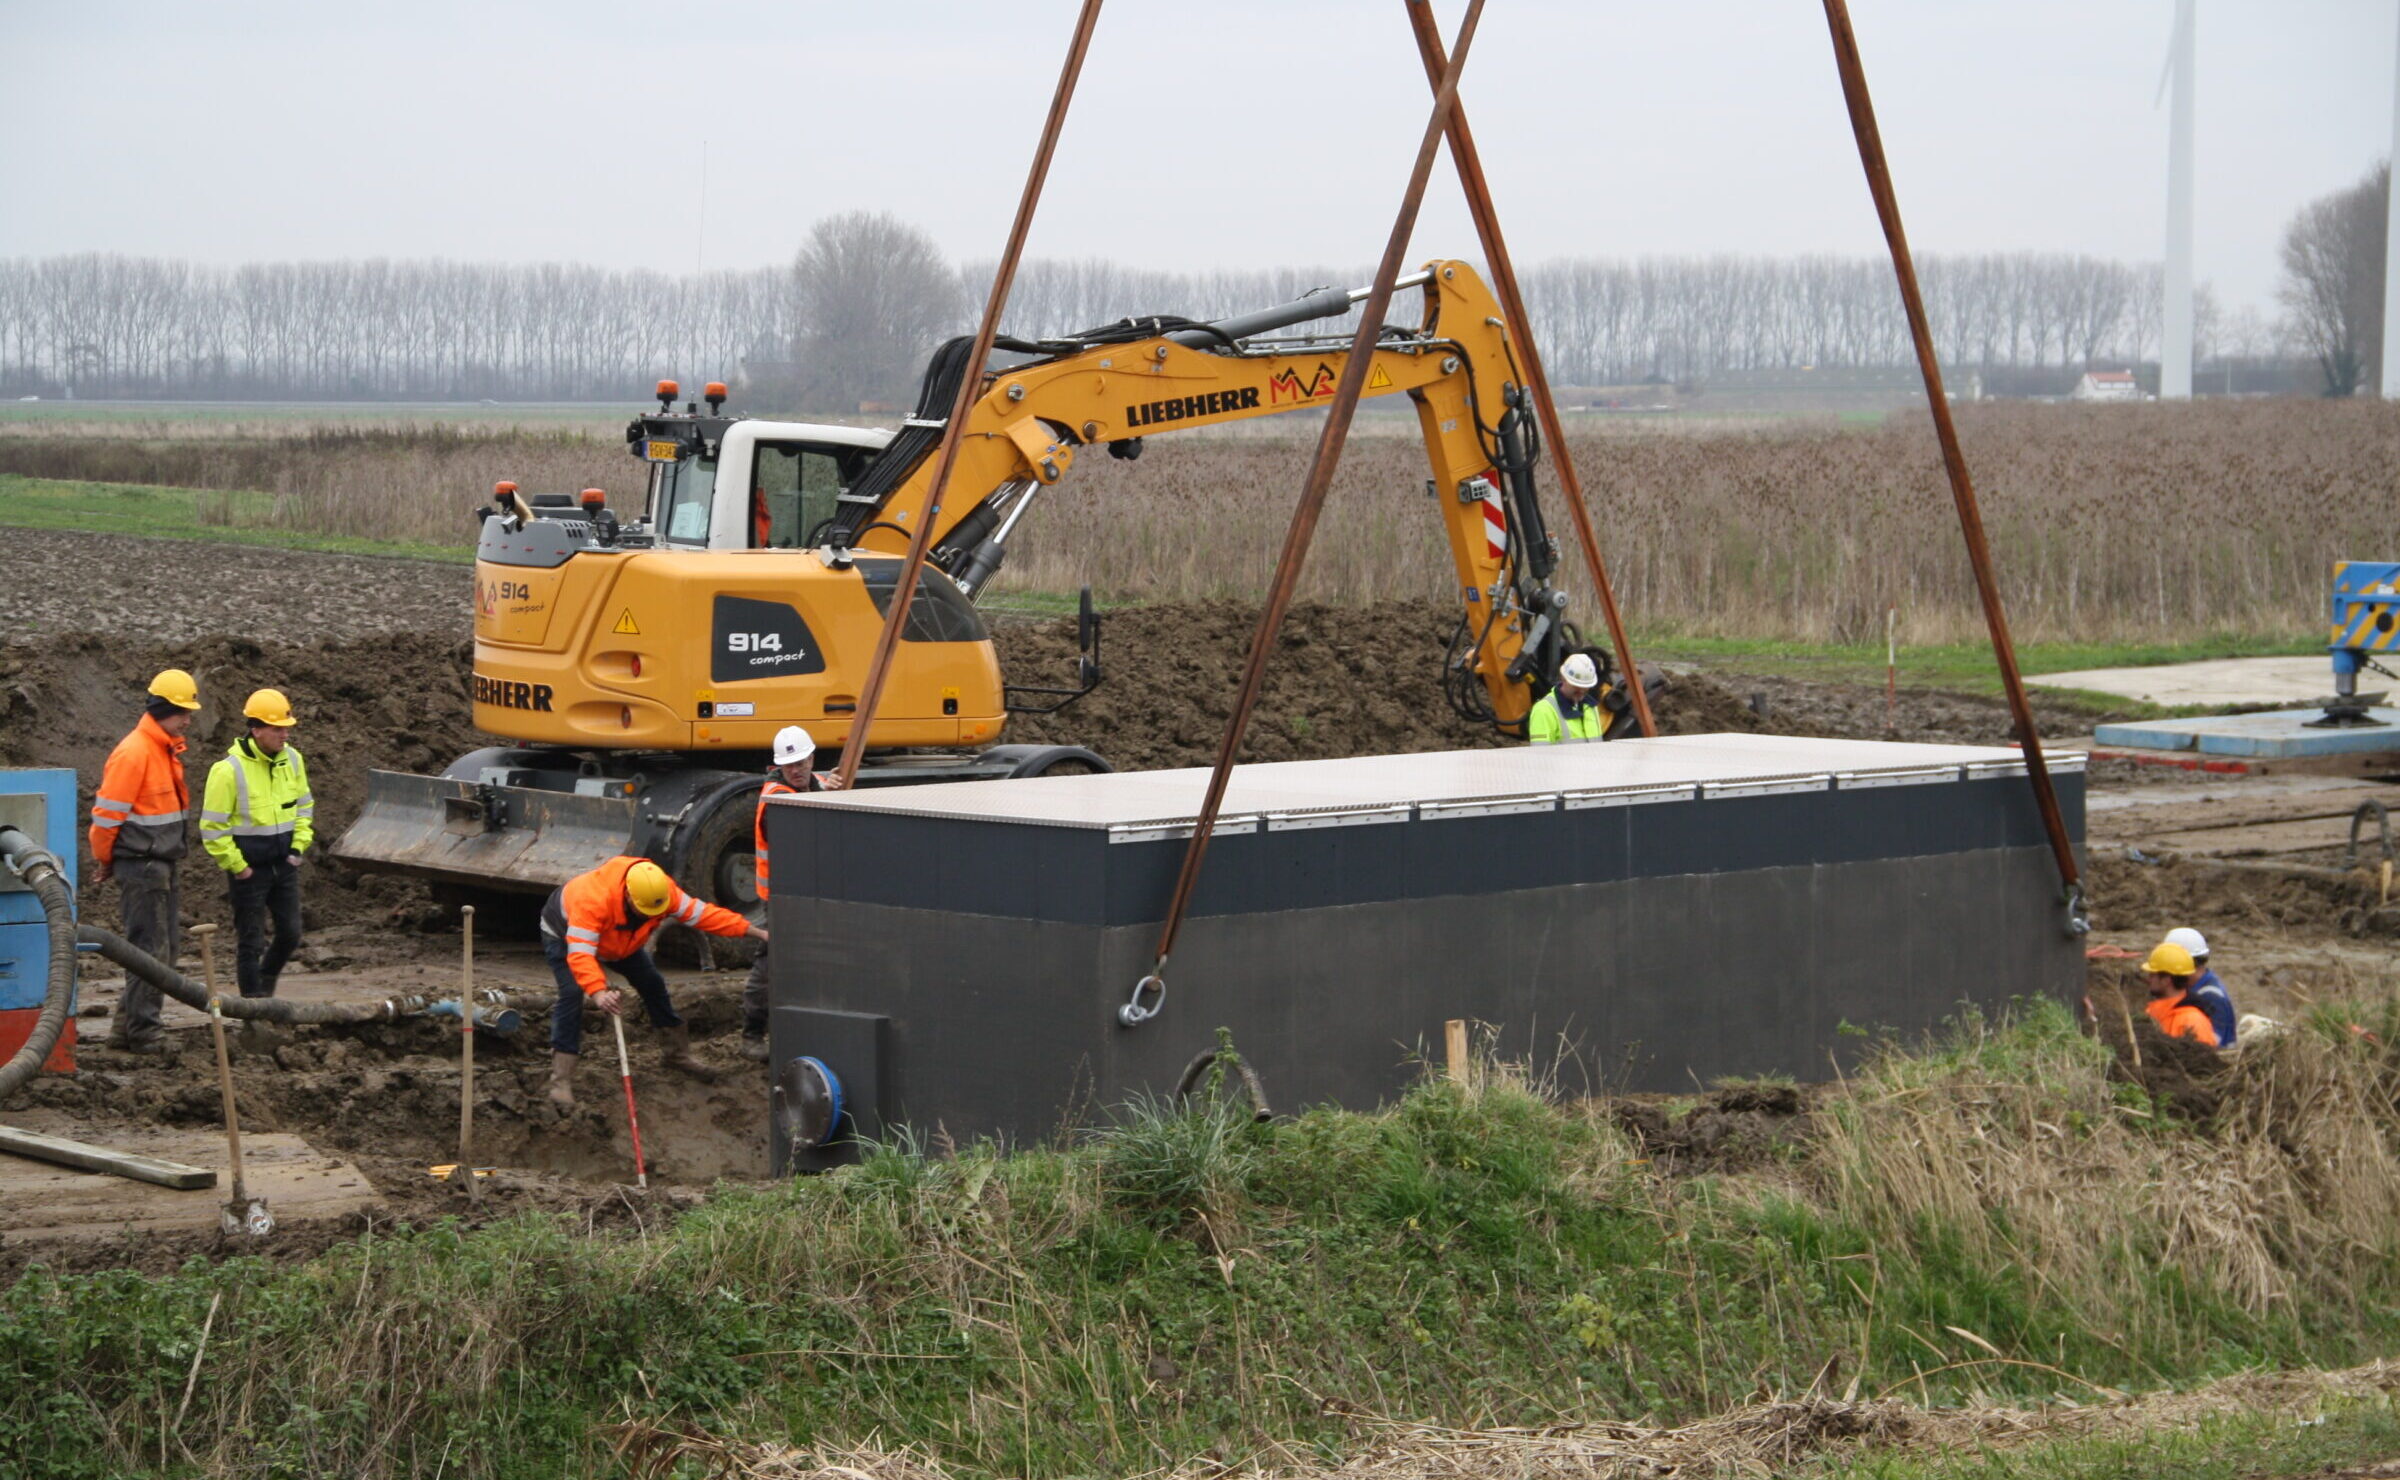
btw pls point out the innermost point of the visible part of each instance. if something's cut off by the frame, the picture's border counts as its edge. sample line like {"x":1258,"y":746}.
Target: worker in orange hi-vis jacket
{"x":139,"y":837}
{"x":794,"y":751}
{"x":604,"y":919}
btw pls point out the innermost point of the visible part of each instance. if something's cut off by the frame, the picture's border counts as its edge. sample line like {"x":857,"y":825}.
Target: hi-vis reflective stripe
{"x":585,"y":946}
{"x":762,"y":856}
{"x":154,"y":819}
{"x":688,"y":911}
{"x":577,"y":932}
{"x":208,"y":817}
{"x":306,"y":804}
{"x":111,"y":803}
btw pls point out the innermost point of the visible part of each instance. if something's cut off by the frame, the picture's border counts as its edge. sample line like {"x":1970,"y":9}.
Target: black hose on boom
{"x":48,"y":880}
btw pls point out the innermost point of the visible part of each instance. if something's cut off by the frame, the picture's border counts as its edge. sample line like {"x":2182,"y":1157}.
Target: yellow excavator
{"x":638,"y":666}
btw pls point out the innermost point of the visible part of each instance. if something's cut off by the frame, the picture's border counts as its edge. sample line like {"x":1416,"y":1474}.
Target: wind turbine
{"x":2391,"y":257}
{"x":2175,"y":349}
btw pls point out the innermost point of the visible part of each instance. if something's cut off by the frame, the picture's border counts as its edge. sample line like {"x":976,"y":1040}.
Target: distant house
{"x":2107,"y":385}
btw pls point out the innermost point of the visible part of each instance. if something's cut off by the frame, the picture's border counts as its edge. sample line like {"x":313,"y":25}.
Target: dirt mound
{"x":1738,"y":1126}
{"x":396,"y":702}
{"x":2133,"y":896}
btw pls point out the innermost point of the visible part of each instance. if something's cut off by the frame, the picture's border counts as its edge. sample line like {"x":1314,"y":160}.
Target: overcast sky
{"x":1207,"y":132}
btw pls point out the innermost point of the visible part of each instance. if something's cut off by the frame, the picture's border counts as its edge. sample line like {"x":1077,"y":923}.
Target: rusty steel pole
{"x":1537,"y":380}
{"x":970,"y":386}
{"x":1149,"y":993}
{"x":1954,"y":458}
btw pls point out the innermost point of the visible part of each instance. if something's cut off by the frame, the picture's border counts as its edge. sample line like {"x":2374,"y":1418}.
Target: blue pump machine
{"x":41,"y":805}
{"x":2366,"y":621}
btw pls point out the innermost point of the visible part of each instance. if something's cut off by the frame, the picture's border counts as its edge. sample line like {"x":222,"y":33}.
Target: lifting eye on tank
{"x":808,"y":1104}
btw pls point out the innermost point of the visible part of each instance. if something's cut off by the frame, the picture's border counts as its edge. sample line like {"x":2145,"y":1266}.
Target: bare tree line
{"x":867,"y":297}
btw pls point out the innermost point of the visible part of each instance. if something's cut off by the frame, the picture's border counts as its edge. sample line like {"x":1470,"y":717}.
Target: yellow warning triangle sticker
{"x":626,"y":624}
{"x":1378,"y":380}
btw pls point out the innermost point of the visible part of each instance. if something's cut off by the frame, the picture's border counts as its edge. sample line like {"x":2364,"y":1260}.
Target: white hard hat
{"x":2190,"y":939}
{"x":793,"y":746}
{"x":1580,"y":670}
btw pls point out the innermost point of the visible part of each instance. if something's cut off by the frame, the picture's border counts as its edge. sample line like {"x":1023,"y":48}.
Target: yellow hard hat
{"x":176,"y":687}
{"x":648,"y":886}
{"x":2172,"y":959}
{"x":269,"y":707}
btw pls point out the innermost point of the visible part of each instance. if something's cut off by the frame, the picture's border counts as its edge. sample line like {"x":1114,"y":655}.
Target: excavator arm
{"x":1117,"y":386}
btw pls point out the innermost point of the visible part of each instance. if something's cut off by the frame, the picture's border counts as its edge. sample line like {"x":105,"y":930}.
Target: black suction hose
{"x":259,"y":1009}
{"x":48,"y":881}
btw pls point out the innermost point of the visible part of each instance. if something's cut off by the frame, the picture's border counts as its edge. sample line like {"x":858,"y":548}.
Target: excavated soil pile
{"x":1739,"y":1126}
{"x":1366,"y":681}
{"x":2133,"y":896}
{"x":396,"y":702}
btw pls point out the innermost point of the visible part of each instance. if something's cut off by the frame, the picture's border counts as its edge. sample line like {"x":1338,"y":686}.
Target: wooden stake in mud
{"x":466,"y":1053}
{"x":633,"y":1119}
{"x":1454,"y":1049}
{"x":242,"y":1213}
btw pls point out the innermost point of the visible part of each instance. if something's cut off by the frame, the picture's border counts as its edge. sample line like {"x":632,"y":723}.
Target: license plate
{"x":665,"y":451}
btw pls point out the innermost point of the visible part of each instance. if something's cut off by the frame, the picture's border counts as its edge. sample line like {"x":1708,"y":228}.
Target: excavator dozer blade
{"x":486,"y":837}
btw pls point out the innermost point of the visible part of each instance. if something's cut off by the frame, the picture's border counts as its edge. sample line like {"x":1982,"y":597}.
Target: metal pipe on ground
{"x":1537,"y":380}
{"x":1149,"y":993}
{"x":47,"y":878}
{"x":1962,"y":487}
{"x":256,"y":1009}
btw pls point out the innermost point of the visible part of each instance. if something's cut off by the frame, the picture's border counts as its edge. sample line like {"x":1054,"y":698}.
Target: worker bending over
{"x":257,"y":820}
{"x":2171,"y":973}
{"x":1571,"y":711}
{"x":795,"y":749}
{"x":605,"y":918}
{"x":138,"y":839}
{"x":2208,"y":994}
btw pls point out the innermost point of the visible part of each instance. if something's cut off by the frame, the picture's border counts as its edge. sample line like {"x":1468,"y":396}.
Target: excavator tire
{"x":719,"y":865}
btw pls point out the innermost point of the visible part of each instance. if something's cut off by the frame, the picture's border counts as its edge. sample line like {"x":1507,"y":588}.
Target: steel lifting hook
{"x":1133,"y":1014}
{"x":2079,"y":912}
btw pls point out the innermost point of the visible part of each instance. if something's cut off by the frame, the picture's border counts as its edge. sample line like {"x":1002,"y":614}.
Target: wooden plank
{"x":90,"y":1158}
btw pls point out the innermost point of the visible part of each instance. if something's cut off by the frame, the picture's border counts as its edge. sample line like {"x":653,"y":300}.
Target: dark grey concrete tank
{"x":1642,"y":915}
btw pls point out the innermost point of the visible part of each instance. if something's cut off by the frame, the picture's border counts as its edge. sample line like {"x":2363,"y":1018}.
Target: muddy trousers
{"x":639,"y":971}
{"x":754,"y":996}
{"x":152,"y":909}
{"x":271,"y":893}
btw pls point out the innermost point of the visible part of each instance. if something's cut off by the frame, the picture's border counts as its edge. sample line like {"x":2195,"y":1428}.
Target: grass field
{"x":1986,"y":1220}
{"x":2214,"y":523}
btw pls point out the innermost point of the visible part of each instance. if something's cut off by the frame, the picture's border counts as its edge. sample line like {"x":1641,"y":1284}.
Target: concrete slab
{"x":2282,"y":732}
{"x":2216,"y":681}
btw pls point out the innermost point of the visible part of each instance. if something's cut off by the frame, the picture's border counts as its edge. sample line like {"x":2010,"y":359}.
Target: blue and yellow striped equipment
{"x":2366,"y":617}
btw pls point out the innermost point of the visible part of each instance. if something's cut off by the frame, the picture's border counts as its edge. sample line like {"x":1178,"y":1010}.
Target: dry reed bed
{"x":2133,"y":522}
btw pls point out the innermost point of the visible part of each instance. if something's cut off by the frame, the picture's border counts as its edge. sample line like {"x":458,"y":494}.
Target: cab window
{"x":794,"y":492}
{"x":686,"y":489}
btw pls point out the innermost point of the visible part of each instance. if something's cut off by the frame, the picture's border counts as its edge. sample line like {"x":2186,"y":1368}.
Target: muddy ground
{"x":374,"y":657}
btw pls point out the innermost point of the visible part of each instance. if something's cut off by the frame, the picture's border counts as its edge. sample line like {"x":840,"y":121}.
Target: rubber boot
{"x":678,"y":1052}
{"x":562,"y":1080}
{"x":754,"y":1047}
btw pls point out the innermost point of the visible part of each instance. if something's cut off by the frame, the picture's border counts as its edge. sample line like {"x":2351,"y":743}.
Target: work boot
{"x":754,"y":1047}
{"x":562,"y":1080}
{"x":677,"y":1052}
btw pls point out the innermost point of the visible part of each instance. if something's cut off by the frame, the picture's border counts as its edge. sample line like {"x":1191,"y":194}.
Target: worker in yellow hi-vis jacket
{"x":257,"y":821}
